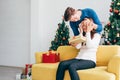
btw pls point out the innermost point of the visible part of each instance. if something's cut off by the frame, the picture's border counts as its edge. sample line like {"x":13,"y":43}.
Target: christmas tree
{"x":112,"y":28}
{"x":61,"y":37}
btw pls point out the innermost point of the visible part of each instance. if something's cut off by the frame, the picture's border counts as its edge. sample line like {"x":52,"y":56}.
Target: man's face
{"x":75,"y":17}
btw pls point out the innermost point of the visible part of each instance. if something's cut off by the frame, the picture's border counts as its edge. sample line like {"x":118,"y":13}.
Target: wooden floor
{"x":9,"y":73}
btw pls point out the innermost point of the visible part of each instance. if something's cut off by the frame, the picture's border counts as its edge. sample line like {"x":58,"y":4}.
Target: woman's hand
{"x":90,"y":26}
{"x":81,"y":30}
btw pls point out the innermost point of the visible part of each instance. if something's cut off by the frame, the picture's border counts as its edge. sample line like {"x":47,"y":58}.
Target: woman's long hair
{"x":92,"y":34}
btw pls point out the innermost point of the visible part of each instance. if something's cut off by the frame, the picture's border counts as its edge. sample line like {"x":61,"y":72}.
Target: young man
{"x":77,"y":16}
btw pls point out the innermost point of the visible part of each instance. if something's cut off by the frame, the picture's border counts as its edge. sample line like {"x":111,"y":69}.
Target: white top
{"x":89,"y":50}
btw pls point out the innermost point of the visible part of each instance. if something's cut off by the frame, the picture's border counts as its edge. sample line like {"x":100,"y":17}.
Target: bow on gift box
{"x":50,"y":57}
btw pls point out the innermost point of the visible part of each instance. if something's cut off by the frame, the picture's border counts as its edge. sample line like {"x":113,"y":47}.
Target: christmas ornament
{"x":118,"y":3}
{"x":62,"y":17}
{"x":110,"y":10}
{"x":108,"y":42}
{"x":112,"y":2}
{"x":108,"y":24}
{"x":63,"y":38}
{"x":116,"y":11}
{"x":114,"y":40}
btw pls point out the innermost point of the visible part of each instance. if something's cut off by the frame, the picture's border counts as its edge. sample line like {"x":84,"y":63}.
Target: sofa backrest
{"x":104,"y":53}
{"x":67,"y":52}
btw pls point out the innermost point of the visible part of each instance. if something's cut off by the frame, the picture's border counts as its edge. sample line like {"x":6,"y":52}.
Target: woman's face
{"x":84,"y":28}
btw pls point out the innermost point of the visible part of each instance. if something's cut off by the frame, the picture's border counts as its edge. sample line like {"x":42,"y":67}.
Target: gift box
{"x":50,"y":57}
{"x":77,"y":39}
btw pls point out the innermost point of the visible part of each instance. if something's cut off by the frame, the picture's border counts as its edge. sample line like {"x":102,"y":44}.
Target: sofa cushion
{"x":44,"y":71}
{"x":98,"y":73}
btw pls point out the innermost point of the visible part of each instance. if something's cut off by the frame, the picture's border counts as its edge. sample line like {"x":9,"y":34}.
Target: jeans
{"x":72,"y":66}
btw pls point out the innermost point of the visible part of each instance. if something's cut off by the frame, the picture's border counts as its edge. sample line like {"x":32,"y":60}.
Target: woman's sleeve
{"x":78,"y":46}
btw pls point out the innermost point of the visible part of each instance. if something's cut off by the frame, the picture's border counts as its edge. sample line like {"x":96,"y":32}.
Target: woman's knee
{"x":62,"y":63}
{"x":71,"y":67}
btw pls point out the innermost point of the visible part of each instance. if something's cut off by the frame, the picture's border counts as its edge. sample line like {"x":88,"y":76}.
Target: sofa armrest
{"x":38,"y":57}
{"x":114,"y":66}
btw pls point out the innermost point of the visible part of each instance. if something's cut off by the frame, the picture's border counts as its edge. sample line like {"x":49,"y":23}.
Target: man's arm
{"x":74,"y":28}
{"x":96,"y":20}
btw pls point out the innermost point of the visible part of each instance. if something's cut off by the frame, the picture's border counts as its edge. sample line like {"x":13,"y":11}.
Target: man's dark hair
{"x":68,"y":12}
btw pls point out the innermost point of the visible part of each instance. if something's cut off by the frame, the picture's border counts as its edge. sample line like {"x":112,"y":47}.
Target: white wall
{"x":14,"y":32}
{"x":35,"y":30}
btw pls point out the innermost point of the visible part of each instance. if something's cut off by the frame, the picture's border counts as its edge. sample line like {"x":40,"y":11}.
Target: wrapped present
{"x":77,"y":39}
{"x":50,"y":57}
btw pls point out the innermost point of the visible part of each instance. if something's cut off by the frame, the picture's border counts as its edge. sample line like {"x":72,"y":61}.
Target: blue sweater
{"x":86,"y":13}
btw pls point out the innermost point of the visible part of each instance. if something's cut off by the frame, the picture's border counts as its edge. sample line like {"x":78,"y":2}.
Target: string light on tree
{"x":118,"y":35}
{"x":118,"y":3}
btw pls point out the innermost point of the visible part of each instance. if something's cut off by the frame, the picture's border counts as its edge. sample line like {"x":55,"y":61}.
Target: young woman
{"x":86,"y":58}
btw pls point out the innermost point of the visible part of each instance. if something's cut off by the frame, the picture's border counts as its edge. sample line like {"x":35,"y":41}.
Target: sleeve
{"x":74,"y":28}
{"x":78,"y":46}
{"x":99,"y":28}
{"x":92,"y":42}
{"x":96,"y":20}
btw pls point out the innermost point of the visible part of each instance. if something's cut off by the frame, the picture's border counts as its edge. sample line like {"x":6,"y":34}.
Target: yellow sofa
{"x":108,"y":64}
